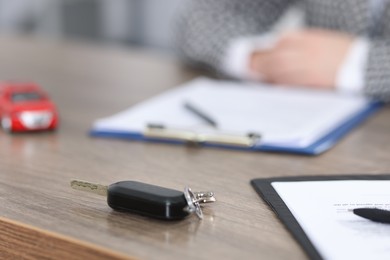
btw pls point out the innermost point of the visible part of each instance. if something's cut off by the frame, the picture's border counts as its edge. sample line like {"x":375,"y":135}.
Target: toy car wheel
{"x":6,"y":124}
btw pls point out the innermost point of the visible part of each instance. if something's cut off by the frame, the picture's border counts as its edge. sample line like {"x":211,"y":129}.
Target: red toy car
{"x":26,"y":107}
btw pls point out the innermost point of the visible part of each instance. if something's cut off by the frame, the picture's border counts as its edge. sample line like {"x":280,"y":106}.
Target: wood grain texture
{"x":21,"y":241}
{"x":88,"y":82}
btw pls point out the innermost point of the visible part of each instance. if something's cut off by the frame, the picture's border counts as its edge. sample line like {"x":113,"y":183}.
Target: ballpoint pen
{"x":196,"y":111}
{"x":374,"y":214}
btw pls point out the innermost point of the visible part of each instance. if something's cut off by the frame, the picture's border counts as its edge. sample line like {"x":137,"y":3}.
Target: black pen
{"x":190,"y":107}
{"x":374,"y":214}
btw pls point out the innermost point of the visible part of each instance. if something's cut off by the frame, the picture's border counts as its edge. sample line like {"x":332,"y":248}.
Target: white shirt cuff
{"x":350,"y":78}
{"x":237,"y":56}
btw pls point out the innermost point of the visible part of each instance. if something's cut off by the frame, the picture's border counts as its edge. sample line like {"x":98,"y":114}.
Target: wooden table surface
{"x":41,"y":215}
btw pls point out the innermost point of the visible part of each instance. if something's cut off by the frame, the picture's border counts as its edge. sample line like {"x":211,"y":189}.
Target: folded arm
{"x":377,"y":78}
{"x":207,"y":26}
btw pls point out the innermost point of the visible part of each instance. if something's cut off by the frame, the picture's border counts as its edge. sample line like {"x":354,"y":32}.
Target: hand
{"x":303,"y":58}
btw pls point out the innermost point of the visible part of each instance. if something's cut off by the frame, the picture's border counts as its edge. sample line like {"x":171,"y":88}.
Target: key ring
{"x":193,"y":203}
{"x":195,"y":199}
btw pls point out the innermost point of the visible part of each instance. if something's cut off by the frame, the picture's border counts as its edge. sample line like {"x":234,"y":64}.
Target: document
{"x":283,"y":116}
{"x":323,"y":210}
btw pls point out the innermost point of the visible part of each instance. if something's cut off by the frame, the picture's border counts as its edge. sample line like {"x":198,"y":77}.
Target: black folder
{"x":264,"y":188}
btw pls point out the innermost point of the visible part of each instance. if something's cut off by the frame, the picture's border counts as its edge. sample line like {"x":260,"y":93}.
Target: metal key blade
{"x":90,"y":187}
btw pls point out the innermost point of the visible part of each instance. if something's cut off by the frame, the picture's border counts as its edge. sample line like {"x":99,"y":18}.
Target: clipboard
{"x":151,"y":130}
{"x":264,"y":188}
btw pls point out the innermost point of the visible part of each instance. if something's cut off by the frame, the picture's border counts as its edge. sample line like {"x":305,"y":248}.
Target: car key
{"x":149,"y":200}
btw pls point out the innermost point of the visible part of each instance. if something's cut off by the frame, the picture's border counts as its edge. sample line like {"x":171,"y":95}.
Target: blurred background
{"x":147,"y":23}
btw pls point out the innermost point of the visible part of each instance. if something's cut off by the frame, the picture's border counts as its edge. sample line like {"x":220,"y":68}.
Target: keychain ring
{"x":193,"y":203}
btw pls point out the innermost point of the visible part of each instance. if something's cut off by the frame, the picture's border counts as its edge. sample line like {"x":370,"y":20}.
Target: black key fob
{"x":154,"y":201}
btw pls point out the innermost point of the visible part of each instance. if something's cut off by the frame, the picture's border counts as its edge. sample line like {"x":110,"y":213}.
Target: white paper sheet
{"x":284,"y":116}
{"x":322,"y":208}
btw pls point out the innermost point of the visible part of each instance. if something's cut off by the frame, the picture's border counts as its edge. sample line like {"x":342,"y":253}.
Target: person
{"x":344,"y":45}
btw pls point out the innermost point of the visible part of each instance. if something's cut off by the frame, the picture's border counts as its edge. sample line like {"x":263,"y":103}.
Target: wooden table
{"x":40,"y":215}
